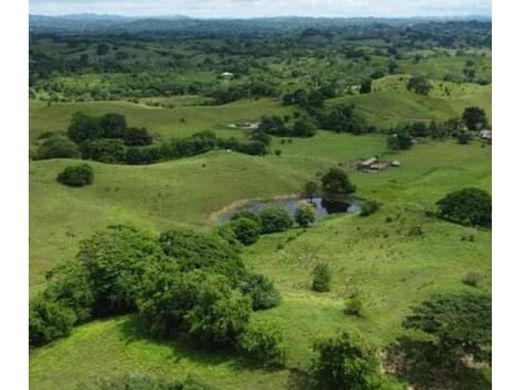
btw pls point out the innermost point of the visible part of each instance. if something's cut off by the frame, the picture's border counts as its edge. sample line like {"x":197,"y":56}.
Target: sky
{"x":264,"y":8}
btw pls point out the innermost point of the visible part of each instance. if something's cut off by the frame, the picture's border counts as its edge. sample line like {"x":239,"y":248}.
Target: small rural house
{"x":485,"y":135}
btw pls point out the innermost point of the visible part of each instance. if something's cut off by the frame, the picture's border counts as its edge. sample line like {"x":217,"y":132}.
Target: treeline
{"x":108,"y":139}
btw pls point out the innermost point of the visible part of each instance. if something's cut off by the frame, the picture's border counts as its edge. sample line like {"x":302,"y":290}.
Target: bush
{"x":469,"y":206}
{"x":474,"y":118}
{"x":275,"y":219}
{"x":246,"y":230}
{"x":246,"y":214}
{"x":472,"y":279}
{"x":304,"y":128}
{"x":420,"y":85}
{"x":336,"y":182}
{"x":115,"y":260}
{"x":225,"y":232}
{"x":76,"y":175}
{"x":463,"y":138}
{"x":83,"y":127}
{"x":57,"y":147}
{"x":321,"y":276}
{"x":48,"y":320}
{"x":112,"y":125}
{"x":261,"y":343}
{"x":344,"y":362}
{"x":369,"y":207}
{"x":401,"y":140}
{"x":354,"y":305}
{"x":305,"y":214}
{"x":262,"y":291}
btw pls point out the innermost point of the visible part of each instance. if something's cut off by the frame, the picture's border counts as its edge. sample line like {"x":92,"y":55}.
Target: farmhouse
{"x":373,"y":164}
{"x":227,"y":75}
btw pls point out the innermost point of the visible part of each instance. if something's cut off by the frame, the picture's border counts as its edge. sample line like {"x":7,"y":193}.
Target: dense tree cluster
{"x":182,"y":282}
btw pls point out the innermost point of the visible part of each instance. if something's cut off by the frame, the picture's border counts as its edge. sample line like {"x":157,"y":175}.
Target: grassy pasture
{"x":163,"y":122}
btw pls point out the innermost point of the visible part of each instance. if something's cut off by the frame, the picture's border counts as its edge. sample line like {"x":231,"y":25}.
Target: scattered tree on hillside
{"x":420,"y":85}
{"x":366,"y":86}
{"x":305,"y":214}
{"x":246,"y":230}
{"x":275,"y":219}
{"x":321,"y":276}
{"x":336,"y":182}
{"x":474,"y":118}
{"x":469,"y":206}
{"x":402,"y":140}
{"x":76,"y":175}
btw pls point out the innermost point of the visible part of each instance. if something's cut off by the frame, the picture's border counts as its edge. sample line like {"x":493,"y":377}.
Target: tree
{"x":193,"y":250}
{"x":246,"y":230}
{"x":48,"y":320}
{"x":304,"y":127}
{"x":112,"y":125}
{"x":104,"y":150}
{"x":83,"y":127}
{"x":137,"y":136}
{"x":420,"y":85}
{"x":275,"y":219}
{"x":321,"y":276}
{"x":262,"y":291}
{"x":261,"y":342}
{"x":305,"y":214}
{"x":344,"y":362}
{"x":102,"y":49}
{"x":336,"y":182}
{"x":474,"y":118}
{"x":57,"y":147}
{"x":116,"y":259}
{"x":469,"y":206}
{"x":460,"y":325}
{"x":246,"y":214}
{"x":310,"y":189}
{"x":76,"y":175}
{"x":401,"y":140}
{"x":366,"y":86}
{"x":418,"y":129}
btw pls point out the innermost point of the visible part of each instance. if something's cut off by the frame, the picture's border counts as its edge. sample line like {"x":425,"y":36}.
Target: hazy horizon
{"x":246,"y":9}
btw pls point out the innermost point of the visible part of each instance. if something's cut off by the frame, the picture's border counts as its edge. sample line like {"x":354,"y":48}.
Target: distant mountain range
{"x":96,"y":23}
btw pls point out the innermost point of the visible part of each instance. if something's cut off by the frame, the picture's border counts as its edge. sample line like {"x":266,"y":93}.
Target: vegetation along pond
{"x":323,"y":206}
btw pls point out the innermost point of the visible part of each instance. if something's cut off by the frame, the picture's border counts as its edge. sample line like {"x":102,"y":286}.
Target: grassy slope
{"x":391,"y":269}
{"x":164,"y":122}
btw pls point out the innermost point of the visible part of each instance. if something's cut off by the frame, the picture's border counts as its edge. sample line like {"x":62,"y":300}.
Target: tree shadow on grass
{"x":133,"y":330}
{"x":415,"y":361}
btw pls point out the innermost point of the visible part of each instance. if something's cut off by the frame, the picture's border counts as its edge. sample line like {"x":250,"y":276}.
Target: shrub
{"x":262,"y":291}
{"x":321,"y":276}
{"x":225,"y":232}
{"x":112,"y":125}
{"x":305,"y":214}
{"x":278,"y":152}
{"x":57,"y":147}
{"x":354,"y":304}
{"x":401,"y":140}
{"x":369,"y":207}
{"x":275,"y":219}
{"x":472,"y":279}
{"x":76,"y":175}
{"x":48,"y":320}
{"x":246,"y":230}
{"x":463,"y":138}
{"x":469,"y":206}
{"x":262,"y":343}
{"x":115,"y":260}
{"x":366,"y":86}
{"x":304,"y":127}
{"x":336,"y":182}
{"x":420,"y":85}
{"x":246,"y":214}
{"x":344,"y":362}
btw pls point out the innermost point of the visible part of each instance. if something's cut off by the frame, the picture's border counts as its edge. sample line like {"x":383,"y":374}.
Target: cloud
{"x":261,"y":8}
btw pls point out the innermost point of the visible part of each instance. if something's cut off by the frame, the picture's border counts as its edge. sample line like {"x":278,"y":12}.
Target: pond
{"x":322,"y":206}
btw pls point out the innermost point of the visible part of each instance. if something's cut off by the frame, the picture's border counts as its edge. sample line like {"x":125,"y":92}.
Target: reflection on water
{"x":323,"y":206}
